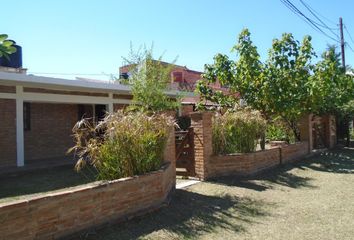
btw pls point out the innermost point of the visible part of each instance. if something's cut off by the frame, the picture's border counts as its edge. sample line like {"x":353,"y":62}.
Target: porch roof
{"x":66,"y":84}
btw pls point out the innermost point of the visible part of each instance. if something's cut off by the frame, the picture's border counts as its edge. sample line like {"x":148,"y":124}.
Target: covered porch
{"x":38,"y":113}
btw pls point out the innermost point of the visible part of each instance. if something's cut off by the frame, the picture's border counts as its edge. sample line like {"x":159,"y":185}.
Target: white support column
{"x":110,"y":104}
{"x":19,"y":127}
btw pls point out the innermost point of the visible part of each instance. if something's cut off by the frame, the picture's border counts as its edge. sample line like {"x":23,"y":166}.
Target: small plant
{"x":123,"y":144}
{"x":237,"y":132}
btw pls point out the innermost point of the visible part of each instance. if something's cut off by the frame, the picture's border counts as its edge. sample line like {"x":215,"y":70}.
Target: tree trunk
{"x":262,"y":142}
{"x":348,"y":134}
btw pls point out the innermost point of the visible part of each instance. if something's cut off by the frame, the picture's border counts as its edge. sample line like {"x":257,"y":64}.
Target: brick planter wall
{"x":243,"y":164}
{"x":293,"y":152}
{"x":63,"y":213}
{"x":208,"y":165}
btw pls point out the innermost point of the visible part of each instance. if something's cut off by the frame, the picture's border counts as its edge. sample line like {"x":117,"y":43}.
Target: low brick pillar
{"x":170,"y":157}
{"x":330,"y":130}
{"x":203,"y":148}
{"x":305,"y":127}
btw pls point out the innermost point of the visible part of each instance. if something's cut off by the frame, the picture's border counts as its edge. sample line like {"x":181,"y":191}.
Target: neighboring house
{"x":182,"y":79}
{"x":38,"y":113}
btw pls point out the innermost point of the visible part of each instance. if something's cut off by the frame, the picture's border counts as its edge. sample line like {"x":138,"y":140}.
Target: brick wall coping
{"x":259,"y":151}
{"x":295,"y":143}
{"x":82,"y":188}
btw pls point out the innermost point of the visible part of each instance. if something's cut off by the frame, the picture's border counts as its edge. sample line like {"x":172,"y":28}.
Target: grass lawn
{"x":313,"y":199}
{"x":21,"y":185}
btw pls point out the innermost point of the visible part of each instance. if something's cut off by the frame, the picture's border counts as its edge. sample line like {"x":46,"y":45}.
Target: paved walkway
{"x":184,"y":183}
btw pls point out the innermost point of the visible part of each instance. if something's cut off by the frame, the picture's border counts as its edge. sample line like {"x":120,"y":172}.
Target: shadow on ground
{"x":335,"y":161}
{"x":268,"y":180}
{"x":189,"y":215}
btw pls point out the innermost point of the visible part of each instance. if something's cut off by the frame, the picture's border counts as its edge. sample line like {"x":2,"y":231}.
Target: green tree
{"x":334,"y":88}
{"x":244,"y":77}
{"x":334,"y":91}
{"x":278,"y":87}
{"x":149,"y":79}
{"x":6,"y":47}
{"x":287,"y":87}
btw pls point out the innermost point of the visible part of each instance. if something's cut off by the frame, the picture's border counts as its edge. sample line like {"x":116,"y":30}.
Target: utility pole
{"x":343,"y":124}
{"x":342,"y":41}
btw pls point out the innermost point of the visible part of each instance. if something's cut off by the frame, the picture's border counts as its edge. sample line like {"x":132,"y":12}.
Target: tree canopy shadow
{"x":340,"y":160}
{"x":189,"y":215}
{"x":267,"y":180}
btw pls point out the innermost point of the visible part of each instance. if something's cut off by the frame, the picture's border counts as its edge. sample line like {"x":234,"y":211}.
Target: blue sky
{"x":91,"y":36}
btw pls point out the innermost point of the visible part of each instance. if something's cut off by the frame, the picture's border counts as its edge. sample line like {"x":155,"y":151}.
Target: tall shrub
{"x":123,"y":144}
{"x":237,"y":132}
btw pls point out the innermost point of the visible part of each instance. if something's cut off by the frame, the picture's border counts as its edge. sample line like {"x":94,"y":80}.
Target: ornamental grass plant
{"x":123,"y":144}
{"x":237,"y":132}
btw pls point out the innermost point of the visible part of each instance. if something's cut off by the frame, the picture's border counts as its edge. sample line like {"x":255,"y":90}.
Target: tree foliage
{"x":287,"y":85}
{"x":6,"y":46}
{"x":334,"y":88}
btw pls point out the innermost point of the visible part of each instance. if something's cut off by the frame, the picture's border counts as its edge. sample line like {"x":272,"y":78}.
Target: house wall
{"x":7,"y":132}
{"x":7,"y":89}
{"x":75,"y":93}
{"x":188,"y":76}
{"x":51,"y":130}
{"x":118,"y":106}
